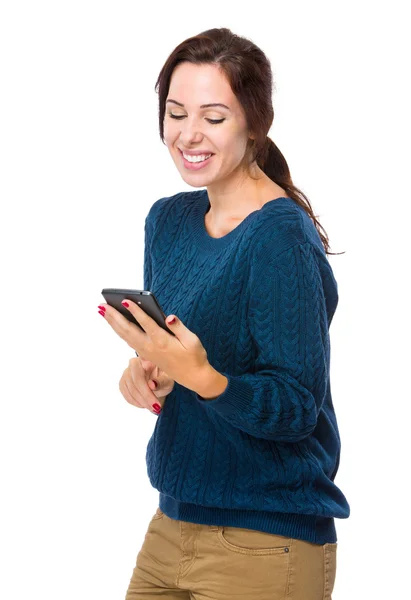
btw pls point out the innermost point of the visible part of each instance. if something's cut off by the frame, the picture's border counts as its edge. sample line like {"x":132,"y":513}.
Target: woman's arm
{"x":281,"y":399}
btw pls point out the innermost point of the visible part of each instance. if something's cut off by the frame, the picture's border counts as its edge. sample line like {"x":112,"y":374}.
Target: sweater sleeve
{"x":148,"y":235}
{"x":281,"y":398}
{"x":148,"y":227}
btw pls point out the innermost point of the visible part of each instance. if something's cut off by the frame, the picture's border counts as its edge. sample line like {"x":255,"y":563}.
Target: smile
{"x":196,"y":164}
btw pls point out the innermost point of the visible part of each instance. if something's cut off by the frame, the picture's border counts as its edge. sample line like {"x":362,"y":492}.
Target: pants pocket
{"x":252,"y":542}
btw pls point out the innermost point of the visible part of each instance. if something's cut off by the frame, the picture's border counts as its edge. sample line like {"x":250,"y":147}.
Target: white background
{"x":81,"y":164}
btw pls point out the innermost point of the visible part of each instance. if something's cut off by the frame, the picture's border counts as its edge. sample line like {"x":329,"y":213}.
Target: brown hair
{"x":248,"y":71}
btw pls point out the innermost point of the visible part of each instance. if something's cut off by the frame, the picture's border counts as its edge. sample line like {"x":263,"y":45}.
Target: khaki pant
{"x":187,"y":561}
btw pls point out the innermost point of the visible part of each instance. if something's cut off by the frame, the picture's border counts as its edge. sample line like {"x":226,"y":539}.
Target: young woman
{"x":246,"y":445}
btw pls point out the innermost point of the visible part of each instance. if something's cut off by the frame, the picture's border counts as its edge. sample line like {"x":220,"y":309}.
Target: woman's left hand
{"x":182,"y":357}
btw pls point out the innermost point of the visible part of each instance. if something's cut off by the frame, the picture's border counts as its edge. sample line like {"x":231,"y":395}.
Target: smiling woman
{"x":232,"y":126}
{"x":246,"y":449}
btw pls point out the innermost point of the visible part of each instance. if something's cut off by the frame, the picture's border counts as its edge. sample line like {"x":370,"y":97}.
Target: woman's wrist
{"x":212,"y":384}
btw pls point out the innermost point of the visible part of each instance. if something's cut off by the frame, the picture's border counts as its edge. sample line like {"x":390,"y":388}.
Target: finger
{"x":123,"y":327}
{"x":163,"y":380}
{"x":131,"y":399}
{"x":127,"y":394}
{"x":147,"y":323}
{"x":141,"y":368}
{"x":148,"y":366}
{"x":145,"y":396}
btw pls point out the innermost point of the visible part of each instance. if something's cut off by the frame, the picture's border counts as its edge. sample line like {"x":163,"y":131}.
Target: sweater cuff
{"x":237,"y":397}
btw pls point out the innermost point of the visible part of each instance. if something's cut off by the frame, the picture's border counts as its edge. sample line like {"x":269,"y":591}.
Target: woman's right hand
{"x":144,"y":384}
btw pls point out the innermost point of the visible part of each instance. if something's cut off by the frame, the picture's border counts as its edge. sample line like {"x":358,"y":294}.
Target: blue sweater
{"x":264,"y":454}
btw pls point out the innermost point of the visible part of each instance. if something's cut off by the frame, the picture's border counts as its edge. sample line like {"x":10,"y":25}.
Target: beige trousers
{"x":187,"y":561}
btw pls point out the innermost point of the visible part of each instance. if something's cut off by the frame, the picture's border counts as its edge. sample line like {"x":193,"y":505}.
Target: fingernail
{"x":157,"y":408}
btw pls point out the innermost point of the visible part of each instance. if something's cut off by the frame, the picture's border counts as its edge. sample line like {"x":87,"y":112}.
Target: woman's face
{"x":192,"y":86}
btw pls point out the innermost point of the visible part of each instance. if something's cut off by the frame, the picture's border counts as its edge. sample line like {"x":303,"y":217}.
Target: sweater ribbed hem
{"x":310,"y":528}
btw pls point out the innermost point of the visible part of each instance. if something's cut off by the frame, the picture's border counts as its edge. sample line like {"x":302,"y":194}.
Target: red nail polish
{"x":100,"y":312}
{"x":157,"y":407}
{"x":126,"y":304}
{"x":102,"y":307}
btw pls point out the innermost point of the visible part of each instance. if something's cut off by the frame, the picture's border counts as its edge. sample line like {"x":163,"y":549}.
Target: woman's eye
{"x":212,"y":121}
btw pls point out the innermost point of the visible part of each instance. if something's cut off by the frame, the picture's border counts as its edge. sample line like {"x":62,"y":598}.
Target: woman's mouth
{"x":198,"y":164}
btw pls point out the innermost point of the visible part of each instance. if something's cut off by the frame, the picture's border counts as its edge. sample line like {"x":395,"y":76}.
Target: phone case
{"x":145,"y":300}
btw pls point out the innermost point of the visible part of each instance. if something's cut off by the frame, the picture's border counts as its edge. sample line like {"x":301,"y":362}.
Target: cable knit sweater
{"x":264,"y":454}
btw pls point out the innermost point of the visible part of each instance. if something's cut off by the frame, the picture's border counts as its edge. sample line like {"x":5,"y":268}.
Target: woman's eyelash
{"x":212,"y":121}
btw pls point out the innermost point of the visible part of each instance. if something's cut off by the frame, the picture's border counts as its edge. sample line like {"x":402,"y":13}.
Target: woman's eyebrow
{"x":202,"y":106}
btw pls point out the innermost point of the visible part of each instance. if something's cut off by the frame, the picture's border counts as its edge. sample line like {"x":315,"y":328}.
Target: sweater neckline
{"x":205,"y":240}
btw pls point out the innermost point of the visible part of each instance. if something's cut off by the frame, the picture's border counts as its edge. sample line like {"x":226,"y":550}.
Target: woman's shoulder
{"x":181,"y":198}
{"x":161,"y":207}
{"x":284,"y":223}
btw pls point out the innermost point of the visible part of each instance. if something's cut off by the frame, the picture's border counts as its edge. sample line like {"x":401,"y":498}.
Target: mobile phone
{"x":145,"y":299}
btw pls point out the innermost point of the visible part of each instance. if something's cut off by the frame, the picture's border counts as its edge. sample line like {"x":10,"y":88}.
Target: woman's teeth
{"x":193,"y":159}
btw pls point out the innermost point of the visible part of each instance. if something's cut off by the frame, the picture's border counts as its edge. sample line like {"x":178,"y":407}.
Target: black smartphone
{"x":146,"y":300}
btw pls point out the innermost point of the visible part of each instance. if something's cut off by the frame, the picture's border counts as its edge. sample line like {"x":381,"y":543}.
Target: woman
{"x":246,"y":445}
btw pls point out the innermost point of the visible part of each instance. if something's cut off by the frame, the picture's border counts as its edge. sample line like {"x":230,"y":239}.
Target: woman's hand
{"x":138,"y":387}
{"x":182,"y":356}
{"x":159,"y":381}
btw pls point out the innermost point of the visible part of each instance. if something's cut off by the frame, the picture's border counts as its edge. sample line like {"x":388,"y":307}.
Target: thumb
{"x":153,"y":385}
{"x":178,"y":328}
